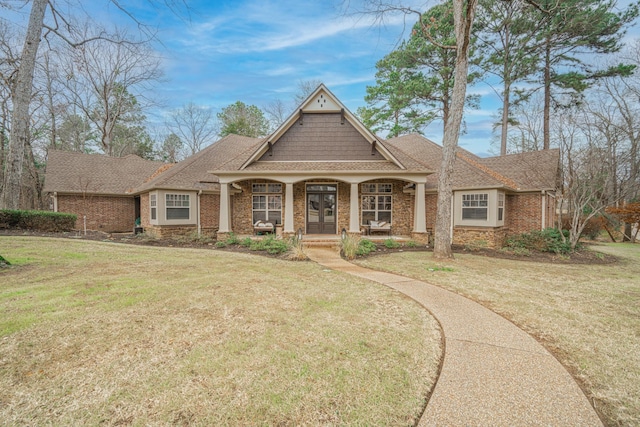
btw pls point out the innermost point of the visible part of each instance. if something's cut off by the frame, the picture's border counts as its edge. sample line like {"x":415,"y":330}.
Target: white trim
{"x":420,"y":215}
{"x":354,"y":209}
{"x":289,"y":206}
{"x":224,"y":225}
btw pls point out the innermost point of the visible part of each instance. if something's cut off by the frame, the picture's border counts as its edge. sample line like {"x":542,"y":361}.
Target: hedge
{"x":37,"y":220}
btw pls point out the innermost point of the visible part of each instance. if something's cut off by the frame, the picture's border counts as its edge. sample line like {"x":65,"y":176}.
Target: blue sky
{"x":256,"y":51}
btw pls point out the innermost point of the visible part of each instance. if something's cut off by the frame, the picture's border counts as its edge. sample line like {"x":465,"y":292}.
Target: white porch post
{"x":225,"y":204}
{"x":288,"y":209}
{"x":354,"y":209}
{"x":420,"y":217}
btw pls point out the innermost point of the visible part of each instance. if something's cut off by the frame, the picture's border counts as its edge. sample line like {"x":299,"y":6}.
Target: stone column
{"x":288,"y":209}
{"x":354,"y":210}
{"x":225,"y":205}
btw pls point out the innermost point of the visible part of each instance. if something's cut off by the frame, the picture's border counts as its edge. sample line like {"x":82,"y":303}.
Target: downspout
{"x":544,"y":210}
{"x":198,"y":213}
{"x":55,"y":201}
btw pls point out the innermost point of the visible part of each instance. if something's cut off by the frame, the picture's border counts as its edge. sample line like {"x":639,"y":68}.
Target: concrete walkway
{"x":493,"y":374}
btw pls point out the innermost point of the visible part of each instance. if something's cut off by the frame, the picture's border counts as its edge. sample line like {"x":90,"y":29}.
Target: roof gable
{"x":319,"y":137}
{"x":339,"y":129}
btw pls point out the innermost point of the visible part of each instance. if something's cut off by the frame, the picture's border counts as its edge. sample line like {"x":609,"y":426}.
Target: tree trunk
{"x":463,"y":13}
{"x":505,"y":120}
{"x":547,"y":98}
{"x":21,"y":94}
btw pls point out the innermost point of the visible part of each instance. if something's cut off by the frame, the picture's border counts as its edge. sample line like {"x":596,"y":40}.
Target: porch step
{"x":321,"y":243}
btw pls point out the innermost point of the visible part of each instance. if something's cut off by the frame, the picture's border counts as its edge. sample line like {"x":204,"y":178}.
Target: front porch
{"x":323,"y":208}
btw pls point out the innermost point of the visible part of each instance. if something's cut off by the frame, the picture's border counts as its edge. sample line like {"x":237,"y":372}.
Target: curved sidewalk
{"x":493,"y":372}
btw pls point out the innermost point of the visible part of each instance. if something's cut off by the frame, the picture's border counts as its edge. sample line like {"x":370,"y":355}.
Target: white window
{"x":500,"y":206}
{"x":475,"y":206}
{"x":153,"y":206}
{"x":177,"y":206}
{"x":267,"y":207}
{"x":377,"y":206}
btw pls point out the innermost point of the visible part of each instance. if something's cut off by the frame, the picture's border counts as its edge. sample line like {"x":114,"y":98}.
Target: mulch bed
{"x":584,"y":256}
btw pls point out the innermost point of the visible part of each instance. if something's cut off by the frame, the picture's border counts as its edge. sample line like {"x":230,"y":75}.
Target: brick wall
{"x":209,"y":211}
{"x":104,"y":213}
{"x":523,"y":212}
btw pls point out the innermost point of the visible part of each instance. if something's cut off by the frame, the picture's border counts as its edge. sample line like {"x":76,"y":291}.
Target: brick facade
{"x":523,"y":212}
{"x":104,"y":213}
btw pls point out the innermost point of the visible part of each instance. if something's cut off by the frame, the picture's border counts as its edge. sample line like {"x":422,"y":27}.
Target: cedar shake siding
{"x":321,"y":137}
{"x":104,"y":213}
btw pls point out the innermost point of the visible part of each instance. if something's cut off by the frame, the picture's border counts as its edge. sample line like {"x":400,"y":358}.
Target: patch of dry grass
{"x":96,"y":333}
{"x":587,"y":315}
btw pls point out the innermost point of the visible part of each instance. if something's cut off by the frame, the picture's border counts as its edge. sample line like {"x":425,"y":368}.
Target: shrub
{"x":365,"y":247}
{"x":547,"y":240}
{"x":37,"y":220}
{"x":246,"y":242}
{"x":194,"y":237}
{"x":412,"y":244}
{"x":391,"y":244}
{"x":270,"y":244}
{"x":232,"y":239}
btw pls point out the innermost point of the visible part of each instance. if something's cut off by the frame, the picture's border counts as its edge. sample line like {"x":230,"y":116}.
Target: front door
{"x":321,"y":209}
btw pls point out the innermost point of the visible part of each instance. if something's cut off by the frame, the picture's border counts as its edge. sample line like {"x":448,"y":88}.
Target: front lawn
{"x":95,"y":333}
{"x":587,"y":315}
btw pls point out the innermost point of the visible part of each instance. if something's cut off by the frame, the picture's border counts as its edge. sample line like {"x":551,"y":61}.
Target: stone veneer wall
{"x":402,"y":207}
{"x":478,"y":236}
{"x":104,"y":213}
{"x":144,"y":211}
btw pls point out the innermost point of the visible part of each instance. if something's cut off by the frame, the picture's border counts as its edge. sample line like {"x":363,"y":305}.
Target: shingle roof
{"x":73,"y":172}
{"x":525,"y":171}
{"x":193,"y":172}
{"x":532,"y":170}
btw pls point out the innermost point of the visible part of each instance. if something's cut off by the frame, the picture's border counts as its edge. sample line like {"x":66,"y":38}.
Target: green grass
{"x":587,"y":315}
{"x":97,"y":333}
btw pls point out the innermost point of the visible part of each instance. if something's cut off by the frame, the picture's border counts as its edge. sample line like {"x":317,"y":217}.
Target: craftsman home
{"x":320,"y":172}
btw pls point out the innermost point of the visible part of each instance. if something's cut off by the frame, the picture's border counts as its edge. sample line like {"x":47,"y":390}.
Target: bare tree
{"x":21,"y":97}
{"x":21,"y":85}
{"x":104,"y":78}
{"x":194,"y":125}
